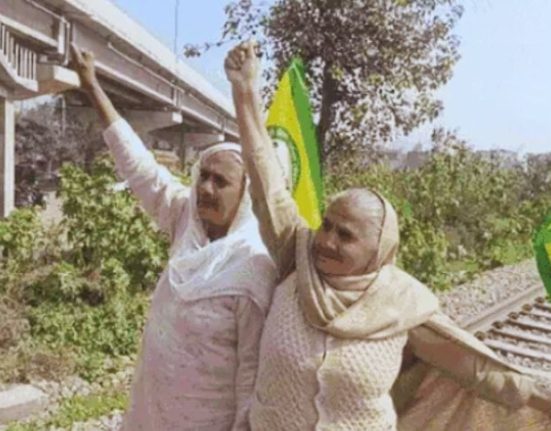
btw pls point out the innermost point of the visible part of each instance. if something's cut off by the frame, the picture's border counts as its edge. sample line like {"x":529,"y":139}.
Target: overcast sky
{"x":499,"y":96}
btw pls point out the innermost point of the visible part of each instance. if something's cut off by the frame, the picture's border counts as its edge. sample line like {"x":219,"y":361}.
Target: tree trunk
{"x":328,"y":96}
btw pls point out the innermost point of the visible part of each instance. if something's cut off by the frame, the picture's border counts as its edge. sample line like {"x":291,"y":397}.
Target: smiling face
{"x":220,"y":188}
{"x":348,"y":239}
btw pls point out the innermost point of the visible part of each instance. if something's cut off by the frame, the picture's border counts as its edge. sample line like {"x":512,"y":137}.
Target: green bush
{"x":81,"y":288}
{"x":18,"y":235}
{"x":92,"y":333}
{"x":458,"y":213}
{"x":104,"y":226}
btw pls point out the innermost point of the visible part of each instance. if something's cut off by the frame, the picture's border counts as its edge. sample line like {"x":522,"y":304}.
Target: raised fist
{"x":242,"y":64}
{"x":83,"y":63}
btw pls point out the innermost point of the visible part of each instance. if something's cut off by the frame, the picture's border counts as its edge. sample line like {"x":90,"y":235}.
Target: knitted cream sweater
{"x":308,"y":380}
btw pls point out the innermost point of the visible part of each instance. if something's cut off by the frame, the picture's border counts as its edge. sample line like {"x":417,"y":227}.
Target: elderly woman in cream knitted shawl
{"x":334,"y":338}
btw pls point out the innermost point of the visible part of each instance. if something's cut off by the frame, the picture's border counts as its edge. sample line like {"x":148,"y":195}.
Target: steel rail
{"x":484,"y":321}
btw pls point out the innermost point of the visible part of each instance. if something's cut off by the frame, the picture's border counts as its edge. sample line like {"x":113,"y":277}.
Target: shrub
{"x":105,"y":226}
{"x":459,"y":213}
{"x":81,"y":288}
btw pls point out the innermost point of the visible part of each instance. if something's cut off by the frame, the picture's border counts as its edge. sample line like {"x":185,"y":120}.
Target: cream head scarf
{"x":237,"y":264}
{"x":378,"y":304}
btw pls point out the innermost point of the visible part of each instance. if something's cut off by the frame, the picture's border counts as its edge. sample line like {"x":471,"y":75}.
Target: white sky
{"x":499,"y":97}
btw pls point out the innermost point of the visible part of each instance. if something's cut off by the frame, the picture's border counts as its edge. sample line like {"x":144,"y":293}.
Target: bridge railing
{"x":22,"y":60}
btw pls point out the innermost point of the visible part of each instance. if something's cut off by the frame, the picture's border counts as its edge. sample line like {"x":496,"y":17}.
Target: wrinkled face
{"x":219,"y":190}
{"x":347,"y":241}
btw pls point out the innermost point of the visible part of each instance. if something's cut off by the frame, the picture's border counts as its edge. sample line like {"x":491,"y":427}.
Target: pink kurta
{"x":199,"y":353}
{"x":204,"y":379}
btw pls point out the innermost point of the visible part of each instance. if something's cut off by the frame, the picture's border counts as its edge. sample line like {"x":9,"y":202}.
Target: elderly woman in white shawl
{"x":342,"y":314}
{"x":200,"y":345}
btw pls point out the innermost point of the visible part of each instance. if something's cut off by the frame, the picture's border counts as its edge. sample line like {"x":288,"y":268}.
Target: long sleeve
{"x":272,"y":203}
{"x":274,"y":207}
{"x":469,"y":362}
{"x":159,"y":192}
{"x":250,"y":321}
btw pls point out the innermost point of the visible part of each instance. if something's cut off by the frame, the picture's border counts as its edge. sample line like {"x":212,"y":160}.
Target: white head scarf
{"x":237,"y":264}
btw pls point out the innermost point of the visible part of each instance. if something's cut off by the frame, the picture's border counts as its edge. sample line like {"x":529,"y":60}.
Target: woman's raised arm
{"x":161,"y":194}
{"x":272,"y":202}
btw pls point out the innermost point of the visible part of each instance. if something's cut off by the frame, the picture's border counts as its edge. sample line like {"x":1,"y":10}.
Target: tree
{"x":373,"y":66}
{"x":45,"y":139}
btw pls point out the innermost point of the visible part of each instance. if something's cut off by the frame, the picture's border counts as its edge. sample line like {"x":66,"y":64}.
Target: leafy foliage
{"x":25,"y":245}
{"x":373,"y":66}
{"x":81,"y":289}
{"x":19,"y":234}
{"x":107,"y":230}
{"x":459,"y":213}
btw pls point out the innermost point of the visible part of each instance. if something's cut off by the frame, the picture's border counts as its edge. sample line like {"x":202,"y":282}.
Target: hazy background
{"x":499,"y":96}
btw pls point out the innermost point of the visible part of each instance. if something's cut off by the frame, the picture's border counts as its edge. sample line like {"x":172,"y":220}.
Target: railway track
{"x":518,"y":329}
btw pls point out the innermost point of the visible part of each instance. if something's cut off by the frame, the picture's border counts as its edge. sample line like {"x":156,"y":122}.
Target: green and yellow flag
{"x":290,"y":123}
{"x":542,"y":250}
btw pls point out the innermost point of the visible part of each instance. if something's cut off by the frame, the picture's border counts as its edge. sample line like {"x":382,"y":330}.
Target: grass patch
{"x":77,"y":409}
{"x":65,"y":338}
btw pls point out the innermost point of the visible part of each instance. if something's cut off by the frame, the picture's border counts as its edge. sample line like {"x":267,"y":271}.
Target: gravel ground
{"x":470,"y":299}
{"x":112,"y":422}
{"x":74,"y":386}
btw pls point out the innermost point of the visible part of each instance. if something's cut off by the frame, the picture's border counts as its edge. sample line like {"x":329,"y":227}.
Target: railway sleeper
{"x":516,"y":350}
{"x":543,"y":306}
{"x":524,"y":324}
{"x":536,"y":313}
{"x":525,"y":336}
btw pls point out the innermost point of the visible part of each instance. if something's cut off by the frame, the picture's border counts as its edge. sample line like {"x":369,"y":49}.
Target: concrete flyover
{"x":155,"y":90}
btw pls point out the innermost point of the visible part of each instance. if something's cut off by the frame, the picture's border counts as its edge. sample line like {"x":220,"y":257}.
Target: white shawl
{"x":237,"y":264}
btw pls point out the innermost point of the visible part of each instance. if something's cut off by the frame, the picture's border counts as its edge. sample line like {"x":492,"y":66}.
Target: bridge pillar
{"x":7,"y":157}
{"x":202,"y":139}
{"x":147,"y":121}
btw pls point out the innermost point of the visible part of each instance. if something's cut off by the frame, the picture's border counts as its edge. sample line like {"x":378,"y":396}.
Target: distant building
{"x":398,"y":159}
{"x":505,"y":158}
